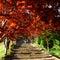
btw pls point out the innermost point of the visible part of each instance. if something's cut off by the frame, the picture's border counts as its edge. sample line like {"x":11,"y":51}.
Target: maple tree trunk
{"x":6,"y":43}
{"x":47,"y":45}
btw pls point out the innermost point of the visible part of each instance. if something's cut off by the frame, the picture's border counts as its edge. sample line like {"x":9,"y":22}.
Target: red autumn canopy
{"x":29,"y":17}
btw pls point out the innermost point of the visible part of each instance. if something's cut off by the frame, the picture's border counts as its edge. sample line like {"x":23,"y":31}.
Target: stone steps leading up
{"x":28,"y":52}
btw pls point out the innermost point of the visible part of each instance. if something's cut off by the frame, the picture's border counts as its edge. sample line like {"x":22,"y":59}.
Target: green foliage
{"x":13,"y":44}
{"x":55,"y":51}
{"x":39,"y":40}
{"x":36,"y":40}
{"x":9,"y":52}
{"x":2,"y":50}
{"x":53,"y":39}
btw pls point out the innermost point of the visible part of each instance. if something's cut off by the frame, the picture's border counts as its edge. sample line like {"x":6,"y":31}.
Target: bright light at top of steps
{"x":49,"y":6}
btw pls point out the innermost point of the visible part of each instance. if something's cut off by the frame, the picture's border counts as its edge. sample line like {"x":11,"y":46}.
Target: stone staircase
{"x":28,"y":52}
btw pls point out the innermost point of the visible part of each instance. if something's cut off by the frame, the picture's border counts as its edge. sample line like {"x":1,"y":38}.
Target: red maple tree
{"x":29,"y":17}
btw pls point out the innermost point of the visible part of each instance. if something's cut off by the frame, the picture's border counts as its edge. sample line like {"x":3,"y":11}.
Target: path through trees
{"x":25,"y":51}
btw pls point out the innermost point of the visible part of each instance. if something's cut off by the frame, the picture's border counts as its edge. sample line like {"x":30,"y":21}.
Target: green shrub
{"x":53,"y":39}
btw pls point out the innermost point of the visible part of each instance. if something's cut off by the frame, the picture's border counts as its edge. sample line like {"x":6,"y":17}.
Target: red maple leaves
{"x":28,"y":17}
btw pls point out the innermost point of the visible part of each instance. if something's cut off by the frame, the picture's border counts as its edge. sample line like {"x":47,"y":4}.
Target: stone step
{"x":34,"y":59}
{"x":20,"y":49}
{"x":23,"y":49}
{"x":28,"y":52}
{"x":32,"y":56}
{"x":22,"y":52}
{"x":40,"y":56}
